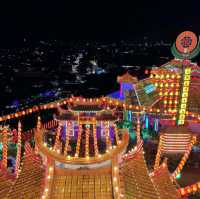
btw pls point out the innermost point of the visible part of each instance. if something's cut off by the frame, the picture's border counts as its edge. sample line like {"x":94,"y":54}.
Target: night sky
{"x":88,"y":20}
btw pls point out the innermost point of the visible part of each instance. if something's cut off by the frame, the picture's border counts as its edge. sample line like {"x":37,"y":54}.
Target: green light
{"x":178,"y":176}
{"x":87,"y":125}
{"x":132,"y":135}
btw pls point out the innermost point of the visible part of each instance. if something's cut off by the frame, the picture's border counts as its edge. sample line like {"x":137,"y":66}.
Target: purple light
{"x":112,"y":134}
{"x":63,"y":133}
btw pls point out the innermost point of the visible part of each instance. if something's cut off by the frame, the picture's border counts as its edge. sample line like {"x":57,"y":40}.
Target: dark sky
{"x":90,"y":19}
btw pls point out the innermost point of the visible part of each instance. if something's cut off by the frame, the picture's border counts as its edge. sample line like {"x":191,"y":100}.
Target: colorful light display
{"x":18,"y":158}
{"x":67,"y":135}
{"x":88,"y":156}
{"x":184,"y":96}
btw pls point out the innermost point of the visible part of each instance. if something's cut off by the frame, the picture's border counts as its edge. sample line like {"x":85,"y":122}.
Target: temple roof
{"x":29,"y":184}
{"x":127,"y":78}
{"x":146,"y":92}
{"x":86,"y":108}
{"x":163,"y":183}
{"x":134,"y":177}
{"x":175,"y":65}
{"x":66,"y":116}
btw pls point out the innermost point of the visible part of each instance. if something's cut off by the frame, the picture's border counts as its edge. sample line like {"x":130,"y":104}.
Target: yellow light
{"x":187,"y":70}
{"x":50,"y":168}
{"x":187,"y":77}
{"x":185,"y":89}
{"x":184,"y":94}
{"x":186,"y":83}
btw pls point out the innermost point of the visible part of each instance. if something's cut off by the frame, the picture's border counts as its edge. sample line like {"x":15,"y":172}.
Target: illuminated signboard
{"x":184,"y":96}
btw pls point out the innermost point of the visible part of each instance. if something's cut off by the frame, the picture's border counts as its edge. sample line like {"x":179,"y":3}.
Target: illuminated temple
{"x":94,"y":148}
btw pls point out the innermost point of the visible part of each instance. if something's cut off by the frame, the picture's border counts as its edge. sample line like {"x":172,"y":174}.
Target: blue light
{"x":127,"y":86}
{"x":156,"y":125}
{"x":147,"y":123}
{"x":149,"y":88}
{"x":129,"y":115}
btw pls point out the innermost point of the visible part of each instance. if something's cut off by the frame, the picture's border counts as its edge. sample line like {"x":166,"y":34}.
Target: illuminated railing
{"x":49,"y":152}
{"x":184,"y":158}
{"x":190,"y":189}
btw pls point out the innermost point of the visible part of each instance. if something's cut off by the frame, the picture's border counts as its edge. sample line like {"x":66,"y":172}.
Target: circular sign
{"x":186,"y":42}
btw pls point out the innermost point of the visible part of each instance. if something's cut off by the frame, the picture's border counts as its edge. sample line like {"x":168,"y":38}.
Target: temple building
{"x":96,"y":148}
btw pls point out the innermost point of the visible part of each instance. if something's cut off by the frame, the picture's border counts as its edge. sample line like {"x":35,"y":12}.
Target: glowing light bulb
{"x":50,"y":168}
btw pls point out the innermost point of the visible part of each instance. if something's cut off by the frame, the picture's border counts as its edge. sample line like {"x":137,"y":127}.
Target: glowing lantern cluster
{"x":138,"y":128}
{"x":5,"y":146}
{"x":39,"y":125}
{"x":87,"y":134}
{"x":107,"y":134}
{"x":56,"y":145}
{"x":68,"y":130}
{"x":95,"y":141}
{"x":78,"y":140}
{"x":167,"y":84}
{"x":18,"y":158}
{"x":190,"y":189}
